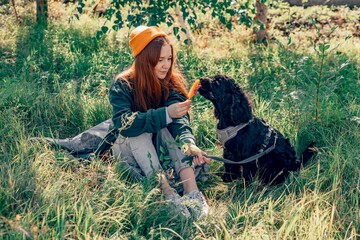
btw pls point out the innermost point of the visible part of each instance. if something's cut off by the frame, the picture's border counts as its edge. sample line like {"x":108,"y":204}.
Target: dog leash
{"x":247,"y":160}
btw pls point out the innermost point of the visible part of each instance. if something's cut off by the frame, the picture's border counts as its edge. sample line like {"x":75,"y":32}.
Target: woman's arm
{"x":179,"y":127}
{"x":130,"y":122}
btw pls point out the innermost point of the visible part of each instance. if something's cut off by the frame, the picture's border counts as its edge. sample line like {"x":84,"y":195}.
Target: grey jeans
{"x":140,"y":152}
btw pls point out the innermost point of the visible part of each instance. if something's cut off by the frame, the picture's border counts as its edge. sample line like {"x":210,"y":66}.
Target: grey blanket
{"x":94,"y":141}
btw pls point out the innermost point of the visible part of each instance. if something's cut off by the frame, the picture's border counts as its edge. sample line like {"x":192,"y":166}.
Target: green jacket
{"x":131,"y":123}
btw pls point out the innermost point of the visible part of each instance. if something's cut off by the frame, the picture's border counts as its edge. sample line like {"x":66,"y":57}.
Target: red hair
{"x":150,"y":91}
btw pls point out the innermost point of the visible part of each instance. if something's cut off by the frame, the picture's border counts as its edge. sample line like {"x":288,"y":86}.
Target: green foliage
{"x":322,"y":50}
{"x":152,"y":13}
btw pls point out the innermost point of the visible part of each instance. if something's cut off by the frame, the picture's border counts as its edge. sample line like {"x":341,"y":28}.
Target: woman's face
{"x":164,"y":63}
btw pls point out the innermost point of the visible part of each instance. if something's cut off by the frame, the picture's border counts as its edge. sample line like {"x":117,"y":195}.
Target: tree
{"x":41,"y":11}
{"x":153,"y":12}
{"x":261,"y":17}
{"x":14,"y":7}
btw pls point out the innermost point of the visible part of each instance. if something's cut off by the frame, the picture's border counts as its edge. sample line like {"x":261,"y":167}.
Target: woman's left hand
{"x":178,"y":110}
{"x":198,"y":154}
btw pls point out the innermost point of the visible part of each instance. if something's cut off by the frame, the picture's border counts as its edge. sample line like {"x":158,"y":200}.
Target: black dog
{"x":266,"y":153}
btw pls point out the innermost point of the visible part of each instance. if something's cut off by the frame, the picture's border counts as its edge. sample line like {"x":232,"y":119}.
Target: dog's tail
{"x":308,"y":153}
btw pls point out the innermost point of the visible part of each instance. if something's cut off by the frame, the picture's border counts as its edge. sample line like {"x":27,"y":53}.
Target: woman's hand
{"x":199,"y":156}
{"x":177,"y":110}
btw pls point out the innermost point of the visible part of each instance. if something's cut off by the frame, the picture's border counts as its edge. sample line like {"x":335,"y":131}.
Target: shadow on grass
{"x":53,"y":67}
{"x":33,"y":78}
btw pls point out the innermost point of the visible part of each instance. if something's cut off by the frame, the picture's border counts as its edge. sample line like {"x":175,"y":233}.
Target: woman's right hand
{"x":177,"y":110}
{"x":198,"y":155}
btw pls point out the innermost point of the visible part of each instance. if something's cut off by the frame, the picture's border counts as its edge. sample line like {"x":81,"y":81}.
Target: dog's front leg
{"x":231,"y":172}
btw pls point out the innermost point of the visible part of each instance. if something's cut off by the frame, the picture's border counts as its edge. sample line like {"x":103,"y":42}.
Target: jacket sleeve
{"x":132,"y":123}
{"x":179,"y":127}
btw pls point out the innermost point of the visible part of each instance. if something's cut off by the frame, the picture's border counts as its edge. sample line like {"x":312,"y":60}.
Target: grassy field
{"x":54,"y":82}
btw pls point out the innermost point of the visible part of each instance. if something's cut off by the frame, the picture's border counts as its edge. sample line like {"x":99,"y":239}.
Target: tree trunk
{"x":41,"y":11}
{"x":13,"y":4}
{"x":184,"y":25}
{"x":261,"y":15}
{"x":349,"y":3}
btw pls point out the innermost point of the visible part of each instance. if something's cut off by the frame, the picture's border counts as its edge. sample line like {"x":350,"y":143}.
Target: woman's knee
{"x":145,"y":138}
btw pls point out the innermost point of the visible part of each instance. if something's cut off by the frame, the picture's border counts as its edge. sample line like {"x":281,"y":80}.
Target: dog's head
{"x":217,"y":87}
{"x":231,"y":104}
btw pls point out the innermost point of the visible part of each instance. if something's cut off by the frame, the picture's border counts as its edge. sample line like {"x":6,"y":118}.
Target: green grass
{"x":54,"y":82}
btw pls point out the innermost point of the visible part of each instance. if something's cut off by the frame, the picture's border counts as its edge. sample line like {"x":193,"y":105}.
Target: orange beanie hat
{"x":141,"y":36}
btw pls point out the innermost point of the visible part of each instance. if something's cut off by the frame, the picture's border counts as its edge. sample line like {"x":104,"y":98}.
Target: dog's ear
{"x":234,"y":110}
{"x":240,"y":109}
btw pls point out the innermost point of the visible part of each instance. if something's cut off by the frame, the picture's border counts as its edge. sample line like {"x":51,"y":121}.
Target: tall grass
{"x":54,"y":82}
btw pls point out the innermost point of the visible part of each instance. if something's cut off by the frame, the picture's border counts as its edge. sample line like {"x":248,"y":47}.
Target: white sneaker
{"x":175,"y":198}
{"x":196,"y":201}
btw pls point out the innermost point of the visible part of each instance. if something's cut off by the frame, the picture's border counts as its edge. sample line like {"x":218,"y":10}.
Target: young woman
{"x":149,"y":99}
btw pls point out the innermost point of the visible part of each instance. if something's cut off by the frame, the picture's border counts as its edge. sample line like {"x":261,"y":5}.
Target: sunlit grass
{"x":55,"y":83}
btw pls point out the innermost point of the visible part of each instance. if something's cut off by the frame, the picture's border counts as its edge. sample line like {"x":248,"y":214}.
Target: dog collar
{"x":228,"y":133}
